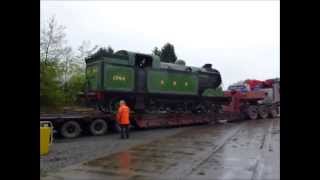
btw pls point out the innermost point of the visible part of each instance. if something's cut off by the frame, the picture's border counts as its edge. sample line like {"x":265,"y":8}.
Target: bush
{"x":75,"y":84}
{"x":51,"y":93}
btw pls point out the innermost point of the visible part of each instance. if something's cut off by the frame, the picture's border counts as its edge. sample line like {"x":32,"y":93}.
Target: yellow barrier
{"x":46,"y":136}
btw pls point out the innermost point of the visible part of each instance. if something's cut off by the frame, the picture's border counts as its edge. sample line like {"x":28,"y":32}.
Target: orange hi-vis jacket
{"x":123,"y":115}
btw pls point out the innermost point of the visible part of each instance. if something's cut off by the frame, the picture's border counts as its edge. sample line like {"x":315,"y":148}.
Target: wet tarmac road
{"x":241,"y":150}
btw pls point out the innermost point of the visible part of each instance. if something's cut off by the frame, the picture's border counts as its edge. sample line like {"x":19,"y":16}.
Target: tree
{"x":52,"y":51}
{"x":66,"y":63}
{"x":86,"y":50}
{"x":74,"y":71}
{"x":51,"y":94}
{"x":62,"y":70}
{"x":52,"y":40}
{"x":156,"y":52}
{"x":74,"y":85}
{"x":110,"y":50}
{"x":168,"y":54}
{"x":102,"y":52}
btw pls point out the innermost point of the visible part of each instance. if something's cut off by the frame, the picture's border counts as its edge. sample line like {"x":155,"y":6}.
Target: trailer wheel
{"x":273,"y":113}
{"x":263,"y":112}
{"x":98,"y":127}
{"x":70,"y":129}
{"x":252,"y":112}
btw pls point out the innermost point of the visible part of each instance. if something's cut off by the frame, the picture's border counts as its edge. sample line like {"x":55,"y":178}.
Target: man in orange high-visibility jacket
{"x":123,"y":119}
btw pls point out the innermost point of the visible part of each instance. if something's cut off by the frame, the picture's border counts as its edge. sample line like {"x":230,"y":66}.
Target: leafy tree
{"x":62,"y":70}
{"x":156,"y":51}
{"x":168,"y":53}
{"x":52,"y":50}
{"x":75,"y":84}
{"x":102,"y":52}
{"x":110,"y":50}
{"x":51,"y":93}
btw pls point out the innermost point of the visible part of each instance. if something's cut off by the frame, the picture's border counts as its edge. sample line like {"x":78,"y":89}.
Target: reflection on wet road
{"x":242,"y":150}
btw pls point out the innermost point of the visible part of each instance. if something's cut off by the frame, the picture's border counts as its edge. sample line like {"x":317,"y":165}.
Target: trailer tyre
{"x":263,"y":112}
{"x":273,"y":113}
{"x":98,"y":127}
{"x":252,"y":112}
{"x":70,"y":129}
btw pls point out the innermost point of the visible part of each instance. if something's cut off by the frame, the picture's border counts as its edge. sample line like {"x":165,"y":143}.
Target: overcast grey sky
{"x":240,"y":38}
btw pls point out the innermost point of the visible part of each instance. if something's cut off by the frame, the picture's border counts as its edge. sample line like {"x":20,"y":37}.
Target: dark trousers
{"x":124,"y":131}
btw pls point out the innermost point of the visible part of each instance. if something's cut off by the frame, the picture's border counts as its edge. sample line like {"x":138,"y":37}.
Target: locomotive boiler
{"x":151,"y":86}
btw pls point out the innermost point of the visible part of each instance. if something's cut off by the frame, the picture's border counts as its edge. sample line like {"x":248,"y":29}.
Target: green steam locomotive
{"x":149,"y":85}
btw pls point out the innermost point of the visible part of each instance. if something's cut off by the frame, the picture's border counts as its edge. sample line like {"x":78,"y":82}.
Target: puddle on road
{"x":162,"y":157}
{"x":240,"y":156}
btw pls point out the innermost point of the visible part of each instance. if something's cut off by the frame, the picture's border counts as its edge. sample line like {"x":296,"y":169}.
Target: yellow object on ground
{"x":46,"y":136}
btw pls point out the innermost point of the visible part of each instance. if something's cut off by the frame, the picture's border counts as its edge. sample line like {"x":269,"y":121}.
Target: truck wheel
{"x":273,"y":113}
{"x":263,"y":112}
{"x":70,"y":129}
{"x":98,"y":127}
{"x":252,"y":112}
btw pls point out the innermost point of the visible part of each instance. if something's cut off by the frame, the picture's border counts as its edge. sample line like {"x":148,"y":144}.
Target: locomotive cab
{"x":143,"y":61}
{"x":209,"y":78}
